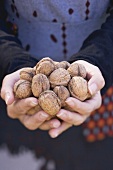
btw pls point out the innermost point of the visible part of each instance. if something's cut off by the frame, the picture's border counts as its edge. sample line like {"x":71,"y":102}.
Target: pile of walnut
{"x":52,"y":83}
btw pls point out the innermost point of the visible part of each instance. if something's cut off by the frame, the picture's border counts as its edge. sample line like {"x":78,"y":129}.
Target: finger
{"x":53,"y":123}
{"x":72,"y":117}
{"x":85,"y":107}
{"x":7,"y":87}
{"x":56,"y":132}
{"x":20,"y":107}
{"x":96,"y":82}
{"x":34,"y":121}
{"x":7,"y":95}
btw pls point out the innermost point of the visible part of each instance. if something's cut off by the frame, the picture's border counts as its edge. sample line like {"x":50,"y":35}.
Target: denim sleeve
{"x":98,"y":50}
{"x":12,"y":54}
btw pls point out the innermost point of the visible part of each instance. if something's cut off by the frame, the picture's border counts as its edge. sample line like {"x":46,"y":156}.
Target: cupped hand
{"x":95,"y":79}
{"x":17,"y":109}
{"x":81,"y":111}
{"x":9,"y":80}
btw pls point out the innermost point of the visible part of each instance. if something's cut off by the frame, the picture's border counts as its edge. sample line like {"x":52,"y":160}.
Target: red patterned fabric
{"x":100,"y":123}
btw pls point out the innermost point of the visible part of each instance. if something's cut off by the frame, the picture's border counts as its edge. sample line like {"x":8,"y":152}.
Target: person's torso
{"x":55,"y":28}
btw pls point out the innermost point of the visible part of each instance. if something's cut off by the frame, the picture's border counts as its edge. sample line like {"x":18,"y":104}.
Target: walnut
{"x":50,"y":102}
{"x":40,"y":83}
{"x":52,"y":83}
{"x":45,"y":66}
{"x":34,"y":110}
{"x":63,"y":64}
{"x":22,"y":89}
{"x":59,"y":77}
{"x":63,"y":93}
{"x":76,"y":69}
{"x":78,"y":88}
{"x":27,"y":73}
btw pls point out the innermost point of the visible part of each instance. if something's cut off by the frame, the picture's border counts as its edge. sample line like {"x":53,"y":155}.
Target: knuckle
{"x":78,"y":107}
{"x":97,"y":69}
{"x":29,"y":126}
{"x":102,"y":81}
{"x":90,"y":110}
{"x":79,"y":122}
{"x":11,"y":115}
{"x":99,"y":104}
{"x":69,"y":118}
{"x":2,"y":93}
{"x":6,"y":78}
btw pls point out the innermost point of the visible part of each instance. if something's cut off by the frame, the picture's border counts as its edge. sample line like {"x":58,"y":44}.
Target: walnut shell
{"x":45,"y":66}
{"x":59,"y":77}
{"x":40,"y":83}
{"x":76,"y":69}
{"x":63,"y":64}
{"x":63,"y":93}
{"x":22,"y":89}
{"x":50,"y":102}
{"x":34,"y":110}
{"x":27,"y":73}
{"x":78,"y":88}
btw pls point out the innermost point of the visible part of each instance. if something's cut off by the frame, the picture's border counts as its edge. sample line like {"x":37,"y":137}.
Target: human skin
{"x":17,"y":109}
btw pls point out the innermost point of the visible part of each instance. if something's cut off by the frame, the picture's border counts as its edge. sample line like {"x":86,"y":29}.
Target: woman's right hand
{"x":17,"y":109}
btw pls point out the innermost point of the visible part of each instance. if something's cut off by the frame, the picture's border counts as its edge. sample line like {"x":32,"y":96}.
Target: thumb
{"x":95,"y":83}
{"x":9,"y":97}
{"x":7,"y":93}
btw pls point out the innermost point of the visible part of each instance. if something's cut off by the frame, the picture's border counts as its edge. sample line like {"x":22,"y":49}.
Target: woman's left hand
{"x":81,"y":111}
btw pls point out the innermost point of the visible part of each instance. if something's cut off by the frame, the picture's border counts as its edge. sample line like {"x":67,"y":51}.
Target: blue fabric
{"x":98,"y":49}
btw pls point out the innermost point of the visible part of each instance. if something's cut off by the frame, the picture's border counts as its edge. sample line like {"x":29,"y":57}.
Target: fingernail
{"x":43,"y":116}
{"x":7,"y":97}
{"x":56,"y":124}
{"x":54,"y":135}
{"x":33,"y":103}
{"x":70,"y":102}
{"x":61,"y":115}
{"x":93,"y":88}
